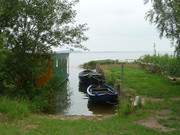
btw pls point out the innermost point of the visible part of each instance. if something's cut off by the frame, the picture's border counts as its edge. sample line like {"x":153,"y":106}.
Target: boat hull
{"x":109,"y":96}
{"x":104,"y":98}
{"x":90,"y":77}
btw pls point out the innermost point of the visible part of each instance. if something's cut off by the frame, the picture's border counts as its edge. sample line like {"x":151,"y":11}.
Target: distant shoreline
{"x":148,"y":52}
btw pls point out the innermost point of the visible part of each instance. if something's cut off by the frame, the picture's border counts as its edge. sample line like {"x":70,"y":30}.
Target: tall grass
{"x":13,"y":108}
{"x":167,"y":64}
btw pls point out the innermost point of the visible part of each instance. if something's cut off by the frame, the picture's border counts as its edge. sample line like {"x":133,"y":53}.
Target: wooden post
{"x":119,"y":88}
{"x":122,"y":72}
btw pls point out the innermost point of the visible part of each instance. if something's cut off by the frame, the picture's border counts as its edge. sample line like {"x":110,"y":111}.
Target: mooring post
{"x":118,"y":87}
{"x":121,"y":78}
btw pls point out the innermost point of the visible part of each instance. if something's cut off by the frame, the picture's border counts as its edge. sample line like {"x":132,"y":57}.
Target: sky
{"x":119,"y":25}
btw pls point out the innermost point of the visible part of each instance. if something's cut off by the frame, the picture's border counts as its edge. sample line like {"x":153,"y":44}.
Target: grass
{"x":164,"y":95}
{"x":39,"y":125}
{"x":136,"y":81}
{"x":143,"y":82}
{"x":13,"y":109}
{"x":110,"y":126}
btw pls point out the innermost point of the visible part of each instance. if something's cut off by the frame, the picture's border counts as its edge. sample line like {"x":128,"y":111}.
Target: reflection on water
{"x":62,"y":99}
{"x":58,"y":97}
{"x":101,"y":108}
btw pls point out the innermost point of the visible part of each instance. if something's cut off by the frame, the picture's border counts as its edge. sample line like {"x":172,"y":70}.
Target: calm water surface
{"x":77,"y":99}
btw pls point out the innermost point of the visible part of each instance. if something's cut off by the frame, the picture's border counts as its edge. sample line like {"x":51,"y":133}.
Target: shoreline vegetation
{"x":157,"y":115}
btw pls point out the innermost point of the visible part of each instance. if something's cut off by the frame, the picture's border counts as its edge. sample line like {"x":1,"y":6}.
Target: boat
{"x":88,"y":77}
{"x":84,"y":75}
{"x":83,"y":87}
{"x":102,"y":93}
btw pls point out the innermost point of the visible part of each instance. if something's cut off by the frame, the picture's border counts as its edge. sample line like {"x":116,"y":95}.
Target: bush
{"x":164,"y":64}
{"x":46,"y":99}
{"x":13,"y":109}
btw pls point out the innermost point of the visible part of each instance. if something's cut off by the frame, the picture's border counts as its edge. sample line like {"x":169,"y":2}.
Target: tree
{"x":30,"y":28}
{"x":165,"y":14}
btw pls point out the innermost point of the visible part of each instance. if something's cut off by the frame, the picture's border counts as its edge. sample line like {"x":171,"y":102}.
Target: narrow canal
{"x":76,"y":100}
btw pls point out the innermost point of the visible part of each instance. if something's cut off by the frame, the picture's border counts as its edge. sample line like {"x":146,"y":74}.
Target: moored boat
{"x":90,"y":77}
{"x":102,"y":93}
{"x":84,"y":75}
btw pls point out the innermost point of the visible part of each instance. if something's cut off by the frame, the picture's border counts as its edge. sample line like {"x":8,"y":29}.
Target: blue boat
{"x":102,"y":93}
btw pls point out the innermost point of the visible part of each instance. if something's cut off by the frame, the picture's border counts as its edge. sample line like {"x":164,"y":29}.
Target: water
{"x":77,"y":99}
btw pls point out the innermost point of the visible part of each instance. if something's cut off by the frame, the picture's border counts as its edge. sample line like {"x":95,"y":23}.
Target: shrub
{"x":164,"y":64}
{"x":46,"y":98}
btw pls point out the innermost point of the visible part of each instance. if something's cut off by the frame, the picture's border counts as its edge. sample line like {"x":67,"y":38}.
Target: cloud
{"x":118,"y":25}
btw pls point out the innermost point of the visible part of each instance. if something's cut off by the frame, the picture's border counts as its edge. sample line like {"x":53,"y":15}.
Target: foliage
{"x":34,"y":26}
{"x":3,"y":57}
{"x":165,"y":14}
{"x":50,"y":97}
{"x":28,"y":31}
{"x":14,"y":109}
{"x":166,"y":64}
{"x":44,"y":99}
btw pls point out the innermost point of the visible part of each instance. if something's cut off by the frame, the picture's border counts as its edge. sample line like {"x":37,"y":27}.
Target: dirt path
{"x":153,"y":121}
{"x":77,"y":117}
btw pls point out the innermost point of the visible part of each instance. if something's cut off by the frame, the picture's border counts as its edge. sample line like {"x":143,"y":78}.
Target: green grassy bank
{"x":142,"y":82}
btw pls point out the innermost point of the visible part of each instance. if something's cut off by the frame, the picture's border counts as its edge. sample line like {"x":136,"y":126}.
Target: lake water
{"x":77,"y":99}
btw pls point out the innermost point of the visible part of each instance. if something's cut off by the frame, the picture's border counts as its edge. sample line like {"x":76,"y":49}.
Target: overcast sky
{"x":119,"y":25}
